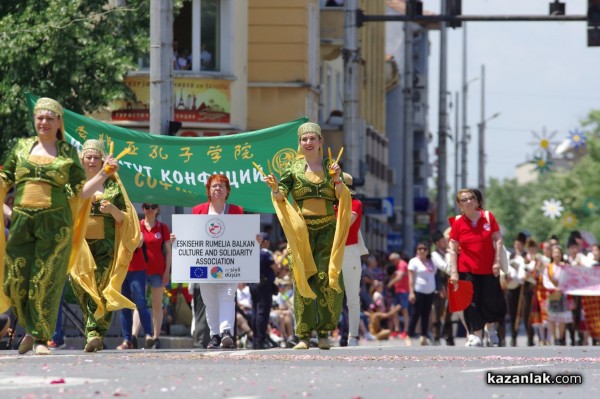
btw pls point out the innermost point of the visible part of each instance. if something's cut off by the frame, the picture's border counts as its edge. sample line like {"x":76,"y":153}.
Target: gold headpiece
{"x":309,"y":127}
{"x":95,"y":145}
{"x":48,"y":104}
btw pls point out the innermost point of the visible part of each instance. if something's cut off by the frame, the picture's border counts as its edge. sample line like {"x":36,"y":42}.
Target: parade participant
{"x":262,"y":294}
{"x":442,"y":317}
{"x":352,"y":268}
{"x":421,"y":277}
{"x":477,"y":234}
{"x":112,"y":236}
{"x":158,"y":244}
{"x":134,"y":289}
{"x":315,"y":239}
{"x":218,"y":298}
{"x":48,"y":222}
{"x":557,"y":305}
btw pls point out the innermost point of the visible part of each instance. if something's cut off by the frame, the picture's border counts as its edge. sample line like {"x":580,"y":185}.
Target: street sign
{"x":372,"y":206}
{"x":394,"y":242}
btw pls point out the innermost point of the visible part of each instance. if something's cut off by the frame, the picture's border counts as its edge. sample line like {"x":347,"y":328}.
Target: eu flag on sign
{"x":198,"y":272}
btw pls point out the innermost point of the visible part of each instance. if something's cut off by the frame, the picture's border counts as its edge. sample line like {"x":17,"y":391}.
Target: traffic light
{"x":593,"y":22}
{"x":454,"y":9}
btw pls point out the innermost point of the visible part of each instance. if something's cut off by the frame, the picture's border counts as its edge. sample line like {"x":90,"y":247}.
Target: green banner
{"x":173,"y":170}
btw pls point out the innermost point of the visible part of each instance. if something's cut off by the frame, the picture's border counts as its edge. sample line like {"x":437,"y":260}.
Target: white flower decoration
{"x":552,"y":208}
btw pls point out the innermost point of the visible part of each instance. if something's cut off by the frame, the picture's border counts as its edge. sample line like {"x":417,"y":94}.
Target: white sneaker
{"x":369,"y":336}
{"x":474,"y":340}
{"x":353,"y":341}
{"x":491,"y":337}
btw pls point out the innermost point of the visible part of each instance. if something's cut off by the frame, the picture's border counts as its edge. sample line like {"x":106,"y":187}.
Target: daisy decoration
{"x":552,"y":208}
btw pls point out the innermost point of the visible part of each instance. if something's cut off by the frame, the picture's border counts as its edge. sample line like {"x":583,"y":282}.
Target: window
{"x":196,"y":38}
{"x":197,"y":34}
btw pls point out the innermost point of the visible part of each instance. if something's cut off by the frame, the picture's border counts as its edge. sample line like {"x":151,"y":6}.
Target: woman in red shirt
{"x":475,"y":247}
{"x":158,"y":249}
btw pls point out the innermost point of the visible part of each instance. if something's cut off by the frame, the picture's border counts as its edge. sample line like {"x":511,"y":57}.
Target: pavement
{"x":386,"y":369}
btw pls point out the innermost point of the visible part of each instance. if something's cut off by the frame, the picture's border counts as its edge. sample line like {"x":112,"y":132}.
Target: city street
{"x":376,"y":370}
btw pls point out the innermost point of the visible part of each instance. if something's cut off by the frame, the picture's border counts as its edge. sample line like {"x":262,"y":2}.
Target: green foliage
{"x":519,"y":208}
{"x":75,"y":51}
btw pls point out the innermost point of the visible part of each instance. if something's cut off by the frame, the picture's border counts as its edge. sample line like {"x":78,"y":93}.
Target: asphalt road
{"x":376,"y":370}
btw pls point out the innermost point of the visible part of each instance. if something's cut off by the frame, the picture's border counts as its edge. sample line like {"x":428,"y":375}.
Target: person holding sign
{"x":218,"y":298}
{"x":47,"y":225}
{"x":316,"y":239}
{"x":112,"y":236}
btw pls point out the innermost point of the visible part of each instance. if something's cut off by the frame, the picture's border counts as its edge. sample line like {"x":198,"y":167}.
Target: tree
{"x":518,"y":208}
{"x":75,"y":51}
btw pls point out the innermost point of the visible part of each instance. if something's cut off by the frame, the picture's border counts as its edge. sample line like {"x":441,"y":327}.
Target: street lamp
{"x":464,"y":141}
{"x":481,"y":128}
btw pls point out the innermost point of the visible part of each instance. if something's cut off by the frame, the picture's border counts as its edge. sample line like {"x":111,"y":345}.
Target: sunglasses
{"x":421,"y":249}
{"x":148,"y":207}
{"x":467,"y":199}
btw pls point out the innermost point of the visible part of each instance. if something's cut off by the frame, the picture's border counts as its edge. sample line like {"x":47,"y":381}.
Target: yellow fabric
{"x":127,"y":237}
{"x":95,"y":229}
{"x":81,"y":262}
{"x":340,"y":237}
{"x":296,"y":233}
{"x":4,"y":299}
{"x":126,"y":241}
{"x":294,"y":227}
{"x":36,"y":194}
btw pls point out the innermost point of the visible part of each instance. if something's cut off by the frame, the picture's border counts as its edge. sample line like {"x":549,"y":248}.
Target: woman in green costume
{"x":316,"y":239}
{"x":107,"y":214}
{"x":50,"y":188}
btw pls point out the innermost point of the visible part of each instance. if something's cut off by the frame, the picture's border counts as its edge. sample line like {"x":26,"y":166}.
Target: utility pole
{"x":464,"y":138}
{"x":481,"y":134}
{"x":161,"y":65}
{"x":408,"y":202}
{"x":442,"y":193}
{"x":456,"y":149}
{"x":351,"y":55}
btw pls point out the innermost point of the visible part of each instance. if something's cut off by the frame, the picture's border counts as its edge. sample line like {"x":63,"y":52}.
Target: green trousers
{"x":103,"y":253}
{"x":321,"y":314}
{"x":37,"y":258}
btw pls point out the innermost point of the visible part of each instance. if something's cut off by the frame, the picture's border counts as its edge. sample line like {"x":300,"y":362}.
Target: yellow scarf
{"x":82,"y":264}
{"x":296,"y":233}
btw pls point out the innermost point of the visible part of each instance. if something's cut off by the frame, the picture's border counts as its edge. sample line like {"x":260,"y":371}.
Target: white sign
{"x":216,"y":249}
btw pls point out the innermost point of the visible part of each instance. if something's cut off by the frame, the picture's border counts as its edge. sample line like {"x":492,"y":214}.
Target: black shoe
{"x":344,"y":341}
{"x":215,"y":342}
{"x":227,"y":340}
{"x":134,"y":342}
{"x":4,"y":325}
{"x":450,"y":341}
{"x":149,"y":343}
{"x":157,"y":344}
{"x":260,"y":346}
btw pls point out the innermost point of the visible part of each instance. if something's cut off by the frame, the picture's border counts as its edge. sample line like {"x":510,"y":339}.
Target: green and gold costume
{"x":42,"y":232}
{"x":318,"y":284}
{"x":101,"y":240}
